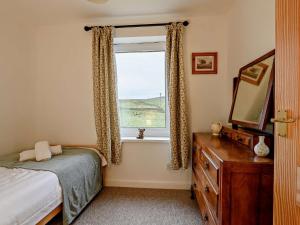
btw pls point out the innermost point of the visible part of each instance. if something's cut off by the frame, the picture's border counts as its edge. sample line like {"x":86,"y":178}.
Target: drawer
{"x":208,"y":191}
{"x":226,"y":133}
{"x":241,"y":138}
{"x":205,"y":213}
{"x":238,"y":136}
{"x":210,"y":168}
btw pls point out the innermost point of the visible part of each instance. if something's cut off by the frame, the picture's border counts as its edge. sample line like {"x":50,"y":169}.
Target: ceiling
{"x":50,"y":11}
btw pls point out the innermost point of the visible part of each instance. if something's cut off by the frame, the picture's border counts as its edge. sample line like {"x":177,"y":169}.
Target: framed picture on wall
{"x":205,"y":63}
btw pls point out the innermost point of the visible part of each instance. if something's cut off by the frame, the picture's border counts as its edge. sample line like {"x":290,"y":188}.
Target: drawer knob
{"x":205,"y":218}
{"x":206,"y":189}
{"x":206,"y":165}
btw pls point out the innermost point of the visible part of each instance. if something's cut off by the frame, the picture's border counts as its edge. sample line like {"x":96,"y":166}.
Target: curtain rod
{"x":185,"y":23}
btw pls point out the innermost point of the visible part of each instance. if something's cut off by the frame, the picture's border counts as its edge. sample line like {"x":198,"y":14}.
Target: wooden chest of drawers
{"x":232,"y":185}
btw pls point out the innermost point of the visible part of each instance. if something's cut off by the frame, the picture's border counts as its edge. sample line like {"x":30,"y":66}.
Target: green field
{"x":141,"y":113}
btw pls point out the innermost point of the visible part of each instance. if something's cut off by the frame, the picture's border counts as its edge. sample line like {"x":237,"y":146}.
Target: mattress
{"x":27,"y":196}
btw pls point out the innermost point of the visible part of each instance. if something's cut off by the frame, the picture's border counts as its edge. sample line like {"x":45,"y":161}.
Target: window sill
{"x":146,"y":139}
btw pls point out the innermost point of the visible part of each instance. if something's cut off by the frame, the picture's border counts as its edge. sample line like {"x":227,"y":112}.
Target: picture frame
{"x":205,"y":63}
{"x":254,"y":74}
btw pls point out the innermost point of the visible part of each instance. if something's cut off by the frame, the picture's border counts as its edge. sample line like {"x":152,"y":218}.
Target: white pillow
{"x":56,"y":150}
{"x":42,"y":151}
{"x":27,"y":155}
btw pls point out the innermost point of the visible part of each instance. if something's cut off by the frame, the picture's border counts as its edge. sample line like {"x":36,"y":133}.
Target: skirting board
{"x":147,"y":184}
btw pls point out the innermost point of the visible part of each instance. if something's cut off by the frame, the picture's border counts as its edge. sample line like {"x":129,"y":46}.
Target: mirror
{"x":251,"y":103}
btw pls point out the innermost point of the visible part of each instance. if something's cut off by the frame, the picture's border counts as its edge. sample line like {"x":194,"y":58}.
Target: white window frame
{"x":146,"y":47}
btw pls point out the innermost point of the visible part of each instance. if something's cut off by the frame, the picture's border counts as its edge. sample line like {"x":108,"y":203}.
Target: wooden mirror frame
{"x":266,"y":108}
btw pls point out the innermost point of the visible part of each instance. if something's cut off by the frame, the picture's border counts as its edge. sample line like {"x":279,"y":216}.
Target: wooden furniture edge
{"x":51,"y":215}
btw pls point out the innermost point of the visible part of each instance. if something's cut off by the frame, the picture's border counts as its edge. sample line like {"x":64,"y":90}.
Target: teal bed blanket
{"x":79,"y":174}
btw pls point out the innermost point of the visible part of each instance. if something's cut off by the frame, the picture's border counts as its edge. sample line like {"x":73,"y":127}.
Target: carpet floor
{"x":130,"y":206}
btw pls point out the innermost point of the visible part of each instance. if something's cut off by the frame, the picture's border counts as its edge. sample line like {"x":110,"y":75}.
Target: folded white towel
{"x":56,"y":150}
{"x":42,"y":151}
{"x":27,"y":155}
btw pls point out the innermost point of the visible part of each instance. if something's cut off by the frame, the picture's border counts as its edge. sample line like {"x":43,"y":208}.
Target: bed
{"x":34,"y":192}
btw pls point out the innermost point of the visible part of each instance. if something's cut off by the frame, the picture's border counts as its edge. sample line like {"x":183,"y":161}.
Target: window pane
{"x":141,"y":89}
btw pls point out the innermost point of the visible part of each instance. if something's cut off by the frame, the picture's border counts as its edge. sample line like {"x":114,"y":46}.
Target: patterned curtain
{"x":105,"y":95}
{"x":179,"y":131}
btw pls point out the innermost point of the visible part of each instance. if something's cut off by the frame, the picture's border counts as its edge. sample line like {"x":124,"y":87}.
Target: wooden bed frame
{"x":51,"y":215}
{"x":59,"y":208}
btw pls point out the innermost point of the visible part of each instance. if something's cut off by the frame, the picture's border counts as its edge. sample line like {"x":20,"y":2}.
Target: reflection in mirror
{"x":252,"y":93}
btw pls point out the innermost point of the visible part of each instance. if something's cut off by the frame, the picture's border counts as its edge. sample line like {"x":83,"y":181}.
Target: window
{"x":142,"y":88}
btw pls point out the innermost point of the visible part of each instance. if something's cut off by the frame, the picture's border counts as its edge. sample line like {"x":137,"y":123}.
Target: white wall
{"x":251,"y":32}
{"x":64,"y":95}
{"x":209,"y":96}
{"x":145,"y":165}
{"x":16,"y":87}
